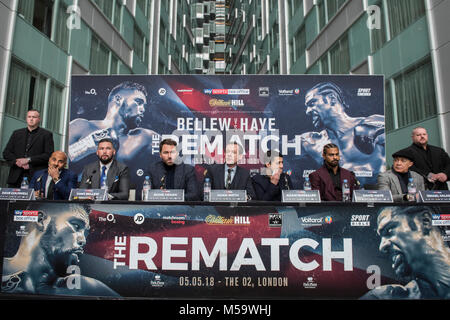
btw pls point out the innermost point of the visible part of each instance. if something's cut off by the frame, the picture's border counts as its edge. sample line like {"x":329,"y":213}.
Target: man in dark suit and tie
{"x":28,"y":150}
{"x":229,"y":175}
{"x":107,"y":173}
{"x":172,"y":173}
{"x":55,"y":182}
{"x":328,"y":179}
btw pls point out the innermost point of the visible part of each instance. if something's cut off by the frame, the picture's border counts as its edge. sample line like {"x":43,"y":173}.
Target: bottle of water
{"x":146,"y":186}
{"x":206,"y":189}
{"x":307,"y":184}
{"x":411,"y":190}
{"x":345,"y":191}
{"x":24,"y":184}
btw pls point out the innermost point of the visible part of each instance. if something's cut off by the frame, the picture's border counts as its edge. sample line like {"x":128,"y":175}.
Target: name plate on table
{"x":165,"y":195}
{"x":228,"y":195}
{"x":16,"y":194}
{"x":431,"y":196}
{"x":372,"y":196}
{"x":88,"y":194}
{"x":300,"y":196}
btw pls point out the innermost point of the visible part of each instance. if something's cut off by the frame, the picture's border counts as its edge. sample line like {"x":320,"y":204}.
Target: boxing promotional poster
{"x":132,"y":250}
{"x":295,"y":114}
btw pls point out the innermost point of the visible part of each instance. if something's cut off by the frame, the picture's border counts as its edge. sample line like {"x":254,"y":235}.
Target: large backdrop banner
{"x":205,"y":252}
{"x":295,"y":114}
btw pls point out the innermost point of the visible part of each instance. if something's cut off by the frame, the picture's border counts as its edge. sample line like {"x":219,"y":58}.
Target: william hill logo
{"x":228,"y":103}
{"x":235,"y":220}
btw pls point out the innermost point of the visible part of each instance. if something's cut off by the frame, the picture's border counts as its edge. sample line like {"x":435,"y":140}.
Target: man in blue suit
{"x":55,"y":182}
{"x":172,"y":173}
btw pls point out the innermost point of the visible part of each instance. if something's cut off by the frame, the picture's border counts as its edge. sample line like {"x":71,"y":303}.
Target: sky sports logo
{"x":26,"y":215}
{"x":227,"y":91}
{"x":441,"y":220}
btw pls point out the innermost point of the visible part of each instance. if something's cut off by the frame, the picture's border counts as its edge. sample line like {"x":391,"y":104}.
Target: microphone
{"x":89,"y":179}
{"x":163,"y":182}
{"x":286,"y":182}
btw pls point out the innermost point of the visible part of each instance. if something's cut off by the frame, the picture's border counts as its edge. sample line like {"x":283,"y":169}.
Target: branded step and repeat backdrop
{"x":295,"y":114}
{"x":190,"y":251}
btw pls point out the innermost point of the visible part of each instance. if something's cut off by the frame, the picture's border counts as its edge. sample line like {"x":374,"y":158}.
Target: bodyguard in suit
{"x":172,"y":173}
{"x":229,"y":175}
{"x":397,"y":178}
{"x":28,"y":150}
{"x":269,"y":184}
{"x":108,"y":170}
{"x":328,"y":179}
{"x":55,"y":182}
{"x":431,"y":162}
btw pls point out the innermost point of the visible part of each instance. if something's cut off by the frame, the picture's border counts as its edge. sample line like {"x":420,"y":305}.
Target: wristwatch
{"x":29,"y":159}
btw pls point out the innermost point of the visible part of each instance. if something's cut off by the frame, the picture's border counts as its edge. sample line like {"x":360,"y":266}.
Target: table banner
{"x":207,"y":252}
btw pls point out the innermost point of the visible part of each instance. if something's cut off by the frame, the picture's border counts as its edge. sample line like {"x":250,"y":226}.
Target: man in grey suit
{"x":397,"y":179}
{"x":107,"y":171}
{"x":172,"y":173}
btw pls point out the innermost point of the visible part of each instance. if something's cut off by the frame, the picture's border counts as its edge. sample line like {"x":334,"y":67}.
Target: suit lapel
{"x":236,"y":178}
{"x":112,"y":173}
{"x":396,"y":183}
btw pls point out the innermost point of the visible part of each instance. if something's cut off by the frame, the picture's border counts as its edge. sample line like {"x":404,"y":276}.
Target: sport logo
{"x":360,"y":220}
{"x":441,"y":219}
{"x":26,"y":215}
{"x":328,"y":219}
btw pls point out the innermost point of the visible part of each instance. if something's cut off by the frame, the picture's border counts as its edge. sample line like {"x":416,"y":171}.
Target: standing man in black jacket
{"x":28,"y":150}
{"x":432,"y":162}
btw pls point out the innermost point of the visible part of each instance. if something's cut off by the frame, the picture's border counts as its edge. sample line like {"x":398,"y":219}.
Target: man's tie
{"x":103,"y":176}
{"x":228,"y":183}
{"x":50,"y":190}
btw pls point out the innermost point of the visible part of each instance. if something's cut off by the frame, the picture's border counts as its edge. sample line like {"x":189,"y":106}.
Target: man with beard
{"x":172,"y":173}
{"x":133,"y":144}
{"x":328,"y":179}
{"x":361,"y":139}
{"x":107,"y":172}
{"x":47,"y":259}
{"x":419,"y":255}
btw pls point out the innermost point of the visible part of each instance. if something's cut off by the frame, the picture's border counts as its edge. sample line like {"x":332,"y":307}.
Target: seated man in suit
{"x":268,"y":185}
{"x":229,"y":175}
{"x":107,"y":171}
{"x":397,"y":178}
{"x":55,"y":182}
{"x":328,"y":179}
{"x":172,"y":173}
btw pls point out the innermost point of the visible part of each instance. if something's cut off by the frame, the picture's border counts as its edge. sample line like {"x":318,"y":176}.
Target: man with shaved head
{"x":55,"y":182}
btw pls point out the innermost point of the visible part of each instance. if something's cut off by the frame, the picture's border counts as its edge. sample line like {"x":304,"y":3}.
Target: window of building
{"x":403,"y":13}
{"x":61,"y":37}
{"x":55,"y":100}
{"x":106,"y":6}
{"x":99,"y":57}
{"x":298,"y":44}
{"x":38,"y":13}
{"x":138,"y":43}
{"x":117,"y":14}
{"x":26,"y":90}
{"x":327,"y":9}
{"x":415,"y":95}
{"x":340,"y":57}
